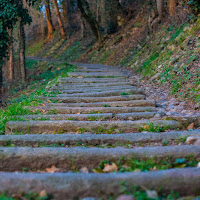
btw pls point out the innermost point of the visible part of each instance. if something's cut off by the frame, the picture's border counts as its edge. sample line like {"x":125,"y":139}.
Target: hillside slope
{"x":170,"y":56}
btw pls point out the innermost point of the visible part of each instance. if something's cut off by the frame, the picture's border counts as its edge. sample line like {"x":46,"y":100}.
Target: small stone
{"x":157,"y":116}
{"x":198,"y":165}
{"x":191,"y":140}
{"x":84,"y":170}
{"x":125,"y":197}
{"x":182,"y":104}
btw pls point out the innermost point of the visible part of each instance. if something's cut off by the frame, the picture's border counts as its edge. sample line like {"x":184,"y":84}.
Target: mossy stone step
{"x":96,"y":99}
{"x":72,"y":185}
{"x":95,"y":139}
{"x":133,"y":103}
{"x":17,"y":158}
{"x":110,"y":127}
{"x":91,"y":80}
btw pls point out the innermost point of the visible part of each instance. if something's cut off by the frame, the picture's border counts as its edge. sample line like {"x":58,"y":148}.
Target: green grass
{"x":153,"y":128}
{"x":150,"y":164}
{"x":29,"y":97}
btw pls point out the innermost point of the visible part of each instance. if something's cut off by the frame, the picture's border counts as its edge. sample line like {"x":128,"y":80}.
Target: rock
{"x":157,"y":116}
{"x":125,"y":197}
{"x":182,"y":104}
{"x":191,"y":140}
{"x":197,"y":142}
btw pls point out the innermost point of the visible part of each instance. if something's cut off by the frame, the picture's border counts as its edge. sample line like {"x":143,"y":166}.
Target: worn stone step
{"x":133,"y":103}
{"x":96,"y":99}
{"x":91,"y":80}
{"x":81,"y":117}
{"x":111,"y":127}
{"x":96,"y":74}
{"x":91,"y":110}
{"x":93,"y":84}
{"x":17,"y":158}
{"x":80,"y":88}
{"x":95,"y":139}
{"x":96,"y":70}
{"x":71,"y":186}
{"x":92,"y":117}
{"x":103,"y":94}
{"x":91,"y":90}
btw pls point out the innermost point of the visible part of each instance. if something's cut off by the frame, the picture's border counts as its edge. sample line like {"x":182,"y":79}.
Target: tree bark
{"x":11,"y":57}
{"x":65,"y":12}
{"x":49,"y":19}
{"x":172,"y":6}
{"x":160,"y":8}
{"x":62,"y":31}
{"x":22,"y":51}
{"x":1,"y":83}
{"x":88,"y":16}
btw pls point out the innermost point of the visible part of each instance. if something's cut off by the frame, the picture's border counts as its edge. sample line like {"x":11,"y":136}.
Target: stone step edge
{"x":61,"y":126}
{"x":17,"y":158}
{"x":92,"y":139}
{"x":64,"y":185}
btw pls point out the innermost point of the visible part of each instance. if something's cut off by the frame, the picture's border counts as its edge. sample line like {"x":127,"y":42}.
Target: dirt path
{"x":93,"y":115}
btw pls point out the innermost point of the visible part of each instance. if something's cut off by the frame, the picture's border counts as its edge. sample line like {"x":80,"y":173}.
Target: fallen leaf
{"x":78,"y":113}
{"x":146,"y":126}
{"x":43,"y":193}
{"x":43,"y":105}
{"x":48,"y":101}
{"x":53,"y":169}
{"x":43,"y":111}
{"x":191,"y":126}
{"x":110,"y":168}
{"x":98,"y":171}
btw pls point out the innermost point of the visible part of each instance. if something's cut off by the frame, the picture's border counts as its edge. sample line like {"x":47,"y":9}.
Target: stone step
{"x":92,"y":117}
{"x":91,"y":80}
{"x":103,"y":94}
{"x":81,"y":117}
{"x":110,"y":127}
{"x":96,"y":74}
{"x":80,"y":88}
{"x":93,"y":84}
{"x":72,"y":185}
{"x":93,"y":139}
{"x":96,"y":99}
{"x":96,"y":70}
{"x":16,"y":158}
{"x":91,"y":110}
{"x":91,"y":90}
{"x":133,"y":103}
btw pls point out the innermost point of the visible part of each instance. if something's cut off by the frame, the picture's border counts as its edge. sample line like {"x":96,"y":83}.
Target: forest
{"x":99,"y":99}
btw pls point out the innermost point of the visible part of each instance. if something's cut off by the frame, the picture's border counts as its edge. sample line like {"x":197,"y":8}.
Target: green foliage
{"x":10,"y":12}
{"x":153,"y":128}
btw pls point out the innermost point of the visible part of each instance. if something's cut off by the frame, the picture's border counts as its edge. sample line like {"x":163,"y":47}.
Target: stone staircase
{"x":95,"y":115}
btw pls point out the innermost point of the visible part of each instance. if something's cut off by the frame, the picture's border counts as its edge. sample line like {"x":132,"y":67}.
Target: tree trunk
{"x":172,"y":6}
{"x":11,"y":57}
{"x":49,"y":19}
{"x":160,"y":8}
{"x":65,"y":13}
{"x":88,"y":16}
{"x":62,"y":31}
{"x":22,"y":51}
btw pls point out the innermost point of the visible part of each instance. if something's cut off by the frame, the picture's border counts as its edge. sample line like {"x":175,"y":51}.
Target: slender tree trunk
{"x":87,"y":14}
{"x":49,"y":19}
{"x":22,"y":51}
{"x":62,"y":31}
{"x":11,"y":57}
{"x":160,"y":8}
{"x":65,"y":12}
{"x":172,"y":6}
